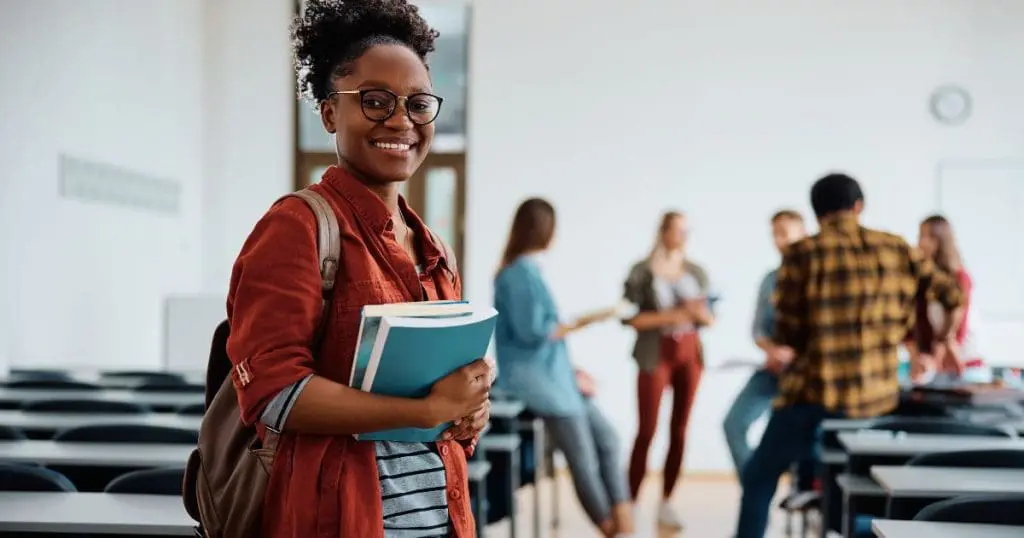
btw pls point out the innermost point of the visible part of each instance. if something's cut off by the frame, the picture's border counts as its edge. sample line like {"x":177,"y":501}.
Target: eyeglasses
{"x":379,"y":105}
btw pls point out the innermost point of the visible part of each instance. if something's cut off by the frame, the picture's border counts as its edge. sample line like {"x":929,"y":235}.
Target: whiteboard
{"x":985,"y":205}
{"x":189,"y":322}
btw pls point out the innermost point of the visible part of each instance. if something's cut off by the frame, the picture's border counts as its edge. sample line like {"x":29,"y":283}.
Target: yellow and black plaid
{"x":844,"y":301}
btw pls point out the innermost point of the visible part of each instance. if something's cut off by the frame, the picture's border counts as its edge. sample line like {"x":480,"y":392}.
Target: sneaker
{"x":668,"y":518}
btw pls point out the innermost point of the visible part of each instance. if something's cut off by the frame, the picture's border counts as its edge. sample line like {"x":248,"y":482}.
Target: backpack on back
{"x":226,"y":476}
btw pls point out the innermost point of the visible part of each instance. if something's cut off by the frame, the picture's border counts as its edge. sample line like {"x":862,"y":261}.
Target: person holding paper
{"x":363,"y":65}
{"x":755,"y":399}
{"x":937,"y":242}
{"x":671,"y":294}
{"x":534,"y":363}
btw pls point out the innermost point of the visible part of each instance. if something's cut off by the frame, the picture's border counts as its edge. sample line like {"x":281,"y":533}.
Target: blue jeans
{"x":753,"y":402}
{"x":791,"y":435}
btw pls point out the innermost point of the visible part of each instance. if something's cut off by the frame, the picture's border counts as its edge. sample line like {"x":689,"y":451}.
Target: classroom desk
{"x":945,"y":482}
{"x":95,"y":454}
{"x":94,"y":513}
{"x":858,"y":491}
{"x":57,"y":421}
{"x":908,"y":445}
{"x":506,"y":409}
{"x":885,"y":528}
{"x":166,"y":400}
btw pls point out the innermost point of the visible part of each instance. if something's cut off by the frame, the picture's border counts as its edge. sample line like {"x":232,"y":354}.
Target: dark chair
{"x":144,"y":376}
{"x":978,"y":509}
{"x":15,"y":477}
{"x":8,"y":433}
{"x":975,"y":459}
{"x":905,"y":508}
{"x":192,"y":410}
{"x":128,"y":433}
{"x":39,"y":374}
{"x":941,"y":427}
{"x":148,"y":482}
{"x":170,"y":386}
{"x":51,"y":384}
{"x":84,"y":406}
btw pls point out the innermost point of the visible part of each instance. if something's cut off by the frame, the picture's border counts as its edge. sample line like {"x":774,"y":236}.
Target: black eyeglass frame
{"x":398,"y":98}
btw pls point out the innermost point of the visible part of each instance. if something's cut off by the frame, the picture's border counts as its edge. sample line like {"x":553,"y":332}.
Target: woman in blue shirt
{"x":534,"y":366}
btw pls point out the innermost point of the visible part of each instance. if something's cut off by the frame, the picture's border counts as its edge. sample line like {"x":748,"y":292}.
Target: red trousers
{"x":680,"y":367}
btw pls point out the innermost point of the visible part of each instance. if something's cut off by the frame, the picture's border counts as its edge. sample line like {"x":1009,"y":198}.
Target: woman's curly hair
{"x":330,"y":34}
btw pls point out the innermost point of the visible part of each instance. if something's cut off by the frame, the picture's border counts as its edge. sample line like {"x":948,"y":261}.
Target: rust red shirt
{"x":327,"y":486}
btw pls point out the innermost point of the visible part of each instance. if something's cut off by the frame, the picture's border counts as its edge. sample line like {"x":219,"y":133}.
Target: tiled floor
{"x":707,"y":504}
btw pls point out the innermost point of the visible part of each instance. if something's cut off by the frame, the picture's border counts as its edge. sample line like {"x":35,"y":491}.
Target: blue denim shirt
{"x":764,"y":313}
{"x":532,"y":366}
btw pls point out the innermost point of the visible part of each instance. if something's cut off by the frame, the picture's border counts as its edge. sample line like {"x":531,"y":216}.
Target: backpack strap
{"x":449,"y":255}
{"x":328,"y":248}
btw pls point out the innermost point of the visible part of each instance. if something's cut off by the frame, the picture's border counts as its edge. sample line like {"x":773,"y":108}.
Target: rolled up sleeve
{"x":274,"y":307}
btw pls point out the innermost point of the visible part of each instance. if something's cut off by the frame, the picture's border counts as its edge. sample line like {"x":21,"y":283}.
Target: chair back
{"x":51,"y":384}
{"x":170,"y":386}
{"x":149,"y":482}
{"x":941,"y":427}
{"x":978,"y":509}
{"x":15,"y":477}
{"x":128,"y":433}
{"x":192,"y":410}
{"x":144,"y":376}
{"x":907,"y":507}
{"x":975,"y":459}
{"x":8,"y":433}
{"x":39,"y":374}
{"x":85,"y":406}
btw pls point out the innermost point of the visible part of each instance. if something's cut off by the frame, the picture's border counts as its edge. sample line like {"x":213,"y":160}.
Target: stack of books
{"x":404,"y":348}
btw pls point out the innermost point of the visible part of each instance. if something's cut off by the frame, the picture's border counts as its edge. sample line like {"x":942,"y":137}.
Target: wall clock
{"x":950,"y":105}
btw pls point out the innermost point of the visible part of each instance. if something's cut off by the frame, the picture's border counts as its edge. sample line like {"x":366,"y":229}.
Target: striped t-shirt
{"x":412,"y":478}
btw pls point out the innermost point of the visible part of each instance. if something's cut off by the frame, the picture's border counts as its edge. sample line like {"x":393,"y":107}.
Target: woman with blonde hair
{"x":671,"y":295}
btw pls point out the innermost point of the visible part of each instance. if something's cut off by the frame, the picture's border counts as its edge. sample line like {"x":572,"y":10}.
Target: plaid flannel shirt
{"x":844,"y":301}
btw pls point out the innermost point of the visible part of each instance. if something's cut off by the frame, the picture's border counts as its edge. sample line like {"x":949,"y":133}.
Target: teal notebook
{"x":370,"y":324}
{"x":410,"y":354}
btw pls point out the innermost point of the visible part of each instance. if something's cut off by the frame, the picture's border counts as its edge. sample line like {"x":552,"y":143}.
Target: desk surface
{"x":94,"y":513}
{"x":165,"y":399}
{"x":943,"y":482}
{"x":887,"y":528}
{"x":506,"y":409}
{"x":95,"y":454}
{"x":59,"y":421}
{"x":886,"y":444}
{"x":860,"y":486}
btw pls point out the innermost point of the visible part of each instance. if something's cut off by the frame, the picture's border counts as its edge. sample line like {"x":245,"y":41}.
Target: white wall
{"x":194,"y":91}
{"x":110,"y":81}
{"x":249,"y":92}
{"x":727,"y":110}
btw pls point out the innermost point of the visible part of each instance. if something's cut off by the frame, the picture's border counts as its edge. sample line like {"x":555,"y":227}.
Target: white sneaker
{"x":668,"y":518}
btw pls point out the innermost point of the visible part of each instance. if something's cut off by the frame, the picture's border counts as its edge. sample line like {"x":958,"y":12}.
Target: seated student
{"x":363,"y":64}
{"x":534,"y":363}
{"x":755,"y":399}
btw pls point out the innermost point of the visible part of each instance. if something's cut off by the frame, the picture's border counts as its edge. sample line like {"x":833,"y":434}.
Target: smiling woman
{"x":364,"y":66}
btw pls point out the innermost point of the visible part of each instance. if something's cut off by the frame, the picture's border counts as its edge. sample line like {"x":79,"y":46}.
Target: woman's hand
{"x":459,"y":394}
{"x":469,"y":427}
{"x":947,"y":357}
{"x":586,"y":384}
